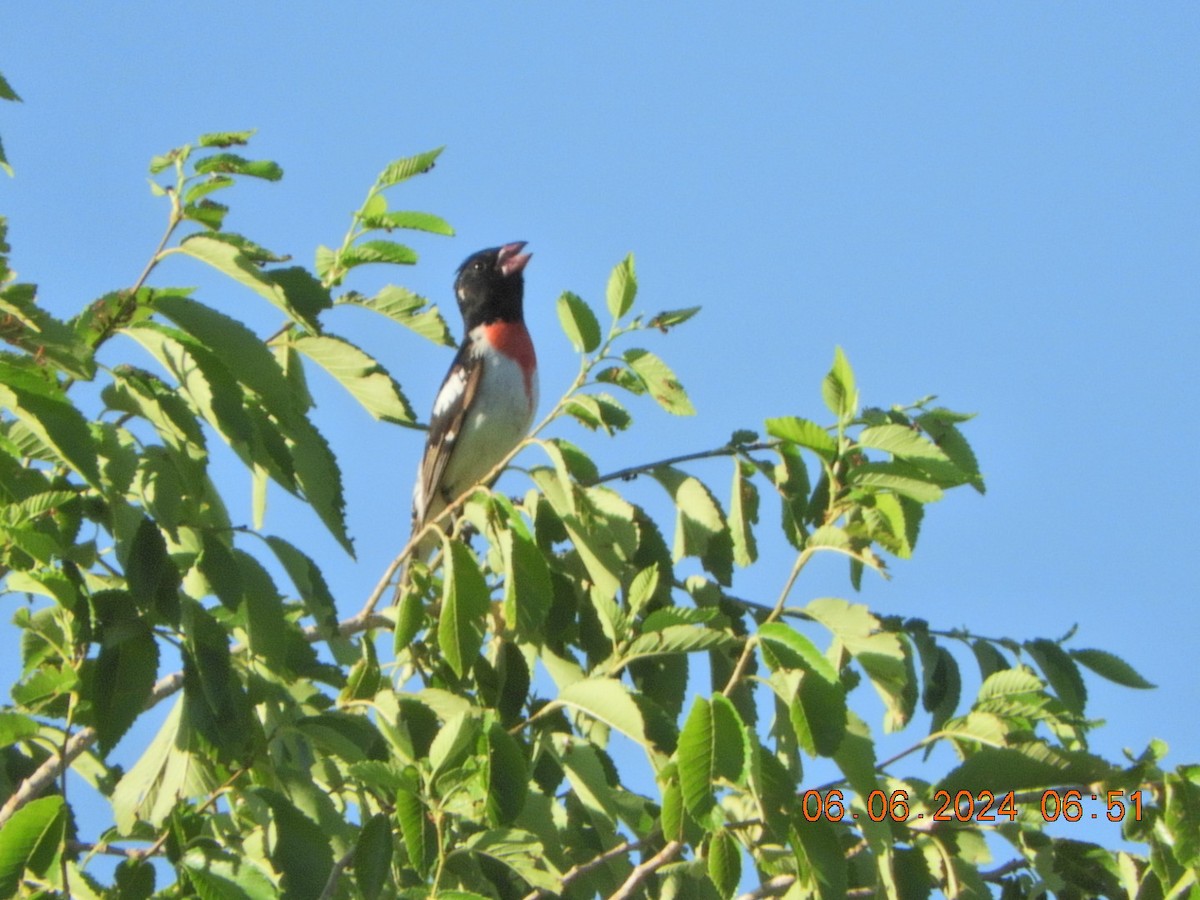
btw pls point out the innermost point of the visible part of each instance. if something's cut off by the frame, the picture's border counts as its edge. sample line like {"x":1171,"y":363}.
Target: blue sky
{"x":997,"y":203}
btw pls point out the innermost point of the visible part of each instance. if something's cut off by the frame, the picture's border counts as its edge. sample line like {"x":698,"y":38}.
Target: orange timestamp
{"x":968,"y":806}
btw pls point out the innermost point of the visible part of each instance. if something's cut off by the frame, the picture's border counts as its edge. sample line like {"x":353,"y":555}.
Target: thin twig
{"x":723,"y":450}
{"x":578,"y":871}
{"x":748,"y":649}
{"x":644,"y":870}
{"x":335,"y":875}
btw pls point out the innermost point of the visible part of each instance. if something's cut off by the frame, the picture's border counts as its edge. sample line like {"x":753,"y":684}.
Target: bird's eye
{"x":478,"y":265}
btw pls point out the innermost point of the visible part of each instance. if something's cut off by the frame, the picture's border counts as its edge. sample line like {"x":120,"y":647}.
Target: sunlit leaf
{"x":465,"y":599}
{"x":622,"y":288}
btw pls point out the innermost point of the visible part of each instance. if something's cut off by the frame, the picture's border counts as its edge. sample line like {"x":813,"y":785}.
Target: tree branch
{"x":644,"y":870}
{"x":724,"y":450}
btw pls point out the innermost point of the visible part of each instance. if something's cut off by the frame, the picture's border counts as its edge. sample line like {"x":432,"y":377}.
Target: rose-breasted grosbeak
{"x":486,"y":403}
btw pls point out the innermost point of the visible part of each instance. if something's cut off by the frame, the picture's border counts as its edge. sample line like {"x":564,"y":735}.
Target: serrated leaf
{"x":527,"y":586}
{"x":403,"y":169}
{"x":818,"y":703}
{"x":676,"y":639}
{"x":232,"y":164}
{"x":126,"y":668}
{"x":838,"y":389}
{"x":724,"y":862}
{"x":805,"y":433}
{"x":610,"y":702}
{"x":622,"y":288}
{"x":226,"y":138}
{"x":360,"y":374}
{"x":416,"y":221}
{"x":712,"y":747}
{"x":1062,"y":673}
{"x":508,"y":776}
{"x":660,"y":381}
{"x":215,"y":702}
{"x":420,"y":841}
{"x":901,"y":441}
{"x":373,"y":856}
{"x":308,"y":580}
{"x":517,"y":850}
{"x":700,"y":526}
{"x":151,"y":574}
{"x":743,"y":514}
{"x":669,"y":318}
{"x":465,"y":603}
{"x":886,"y":476}
{"x":240,"y":350}
{"x":301,"y":851}
{"x":406,"y":308}
{"x":377,"y":252}
{"x":579,"y":322}
{"x":1112,"y":667}
{"x":1027,"y":766}
{"x":318,"y":474}
{"x":32,"y":830}
{"x":58,"y":425}
{"x":229,"y":260}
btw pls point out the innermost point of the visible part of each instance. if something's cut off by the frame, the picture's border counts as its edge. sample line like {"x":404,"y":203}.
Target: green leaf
{"x":527,"y":586}
{"x":465,"y":604}
{"x":416,"y":221}
{"x":901,"y":441}
{"x":226,"y":138}
{"x":126,"y":668}
{"x":888,"y":476}
{"x":215,"y":702}
{"x":151,"y":574}
{"x":301,"y":850}
{"x":517,"y":850}
{"x":712,"y":747}
{"x":47,"y":340}
{"x":805,"y":433}
{"x":838,"y":389}
{"x":675,"y":639}
{"x":1062,"y":673}
{"x":377,"y":252}
{"x":373,"y":856}
{"x":622,"y":288}
{"x":56,"y":423}
{"x":700,"y":526}
{"x":406,"y":308}
{"x":232,"y":164}
{"x":508,"y":776}
{"x":203,"y":380}
{"x":743,"y":514}
{"x":669,"y":318}
{"x":420,"y":840}
{"x":1024,"y":767}
{"x":724,"y":862}
{"x":7,"y":92}
{"x":1112,"y":667}
{"x":660,"y":381}
{"x":241,"y":351}
{"x":29,"y":840}
{"x":224,"y":878}
{"x":318,"y":474}
{"x":403,"y":169}
{"x":360,"y":374}
{"x":308,"y":580}
{"x":609,"y":701}
{"x":818,"y":704}
{"x":579,"y":322}
{"x":267,"y":626}
{"x":821,"y":857}
{"x":229,"y":260}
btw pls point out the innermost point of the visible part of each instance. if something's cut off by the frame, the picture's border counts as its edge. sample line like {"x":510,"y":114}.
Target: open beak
{"x":511,"y":259}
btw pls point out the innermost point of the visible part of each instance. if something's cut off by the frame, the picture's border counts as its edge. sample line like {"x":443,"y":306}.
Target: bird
{"x":487,"y":400}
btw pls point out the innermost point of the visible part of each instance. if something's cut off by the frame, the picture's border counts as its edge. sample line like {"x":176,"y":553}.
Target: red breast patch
{"x":512,"y":339}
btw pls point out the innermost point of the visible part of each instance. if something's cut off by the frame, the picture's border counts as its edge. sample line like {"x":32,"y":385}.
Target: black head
{"x":491,"y":285}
